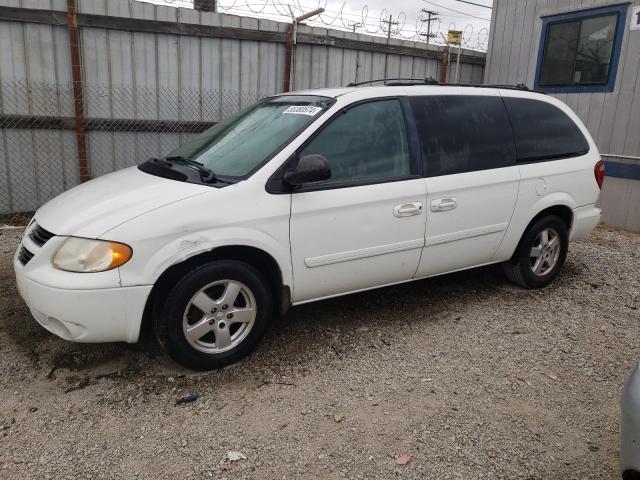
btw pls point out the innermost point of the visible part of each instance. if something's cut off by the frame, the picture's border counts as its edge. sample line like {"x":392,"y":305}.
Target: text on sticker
{"x":302,"y":110}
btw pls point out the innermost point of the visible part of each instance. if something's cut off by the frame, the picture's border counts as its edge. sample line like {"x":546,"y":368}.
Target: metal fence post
{"x":78,"y":91}
{"x":288,"y":61}
{"x":444,"y":65}
{"x":458,"y":64}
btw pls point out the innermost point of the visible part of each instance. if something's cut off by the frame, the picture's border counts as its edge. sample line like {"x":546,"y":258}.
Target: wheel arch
{"x":561,"y":210}
{"x":256,"y":257}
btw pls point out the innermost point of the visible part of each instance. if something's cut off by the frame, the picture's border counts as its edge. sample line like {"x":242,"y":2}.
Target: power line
{"x":476,"y":4}
{"x":457,"y":11}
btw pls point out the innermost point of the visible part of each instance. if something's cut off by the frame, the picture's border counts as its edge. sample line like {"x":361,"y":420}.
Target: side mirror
{"x":310,"y":168}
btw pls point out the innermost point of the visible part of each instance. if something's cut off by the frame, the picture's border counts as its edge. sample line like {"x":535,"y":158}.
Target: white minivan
{"x":306,"y":196}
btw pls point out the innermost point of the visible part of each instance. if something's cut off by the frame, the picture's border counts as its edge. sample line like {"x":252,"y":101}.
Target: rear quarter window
{"x":543,"y":132}
{"x":463,"y":133}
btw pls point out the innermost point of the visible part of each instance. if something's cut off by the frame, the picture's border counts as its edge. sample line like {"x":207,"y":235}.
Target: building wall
{"x":613,"y":118}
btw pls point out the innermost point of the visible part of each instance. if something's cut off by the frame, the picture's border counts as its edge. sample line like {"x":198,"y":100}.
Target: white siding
{"x":613,"y":118}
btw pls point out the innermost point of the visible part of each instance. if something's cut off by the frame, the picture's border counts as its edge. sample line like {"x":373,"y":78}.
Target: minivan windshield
{"x":239,"y":144}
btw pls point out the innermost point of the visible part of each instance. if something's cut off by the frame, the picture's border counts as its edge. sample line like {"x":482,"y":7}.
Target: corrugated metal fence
{"x":153,"y":76}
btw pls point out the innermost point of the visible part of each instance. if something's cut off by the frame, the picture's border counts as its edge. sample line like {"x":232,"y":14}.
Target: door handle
{"x":407,"y":209}
{"x":443,"y":204}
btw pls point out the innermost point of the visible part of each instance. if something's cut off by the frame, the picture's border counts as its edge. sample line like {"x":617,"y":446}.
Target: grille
{"x":39,"y":235}
{"x":24,"y":256}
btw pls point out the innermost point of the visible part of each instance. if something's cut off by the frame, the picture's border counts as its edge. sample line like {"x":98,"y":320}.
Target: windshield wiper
{"x":207,"y":174}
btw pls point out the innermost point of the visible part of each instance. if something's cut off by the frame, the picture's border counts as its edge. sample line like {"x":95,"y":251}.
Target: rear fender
{"x":520,"y":222}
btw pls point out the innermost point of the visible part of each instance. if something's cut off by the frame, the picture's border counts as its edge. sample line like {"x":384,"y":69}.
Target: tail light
{"x":598,"y":171}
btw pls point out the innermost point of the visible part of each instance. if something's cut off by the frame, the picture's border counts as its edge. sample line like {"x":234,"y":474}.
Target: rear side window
{"x":543,"y":131}
{"x":463,"y":133}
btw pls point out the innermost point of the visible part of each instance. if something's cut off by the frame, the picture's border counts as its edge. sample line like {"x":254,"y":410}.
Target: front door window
{"x":367,"y":142}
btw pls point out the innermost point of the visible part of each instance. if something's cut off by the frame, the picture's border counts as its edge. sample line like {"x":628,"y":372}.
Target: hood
{"x":94,"y":207}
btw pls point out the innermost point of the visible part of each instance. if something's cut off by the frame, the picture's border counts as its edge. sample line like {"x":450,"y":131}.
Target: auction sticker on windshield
{"x":303,"y":110}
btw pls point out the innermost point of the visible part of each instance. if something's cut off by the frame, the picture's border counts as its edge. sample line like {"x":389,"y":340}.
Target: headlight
{"x":86,"y":255}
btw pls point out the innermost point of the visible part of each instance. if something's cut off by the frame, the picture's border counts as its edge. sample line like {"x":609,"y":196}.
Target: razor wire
{"x":344,"y":19}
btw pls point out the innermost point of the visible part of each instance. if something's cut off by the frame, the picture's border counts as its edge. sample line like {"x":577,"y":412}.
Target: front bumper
{"x":102,"y":315}
{"x":81,"y":307}
{"x":630,"y":404}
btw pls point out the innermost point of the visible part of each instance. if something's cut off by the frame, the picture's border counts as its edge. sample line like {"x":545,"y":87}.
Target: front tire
{"x":215,"y":315}
{"x":540,"y":255}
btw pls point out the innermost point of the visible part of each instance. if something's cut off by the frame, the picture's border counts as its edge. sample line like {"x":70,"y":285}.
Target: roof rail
{"x":519,"y":86}
{"x":401,"y":82}
{"x":397,"y":82}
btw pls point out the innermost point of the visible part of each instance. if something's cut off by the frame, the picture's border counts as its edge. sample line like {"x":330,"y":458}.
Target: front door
{"x":364,"y":227}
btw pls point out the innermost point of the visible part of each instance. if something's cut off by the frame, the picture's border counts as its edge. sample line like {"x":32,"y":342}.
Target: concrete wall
{"x":613,"y":118}
{"x":207,"y":66}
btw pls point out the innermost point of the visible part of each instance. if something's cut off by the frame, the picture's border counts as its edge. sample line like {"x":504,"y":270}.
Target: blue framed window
{"x":579,"y":51}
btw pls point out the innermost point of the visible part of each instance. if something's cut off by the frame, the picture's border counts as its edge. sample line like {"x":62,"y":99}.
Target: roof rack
{"x":401,"y":82}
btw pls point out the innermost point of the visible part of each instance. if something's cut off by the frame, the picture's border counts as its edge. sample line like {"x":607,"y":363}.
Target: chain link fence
{"x":123,"y":126}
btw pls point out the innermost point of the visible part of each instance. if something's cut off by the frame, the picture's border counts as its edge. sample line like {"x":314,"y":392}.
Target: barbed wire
{"x":347,"y":20}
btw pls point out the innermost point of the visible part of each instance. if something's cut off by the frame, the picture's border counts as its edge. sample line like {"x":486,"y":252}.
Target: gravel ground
{"x":472,"y":377}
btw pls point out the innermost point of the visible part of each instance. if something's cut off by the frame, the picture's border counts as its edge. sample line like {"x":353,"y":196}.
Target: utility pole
{"x":355,"y":25}
{"x":390,"y":23}
{"x":432,"y":17}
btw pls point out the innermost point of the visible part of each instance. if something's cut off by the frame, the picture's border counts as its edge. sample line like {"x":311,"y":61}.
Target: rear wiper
{"x":206,"y":173}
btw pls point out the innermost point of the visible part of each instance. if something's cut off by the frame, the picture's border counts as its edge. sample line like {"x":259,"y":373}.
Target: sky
{"x":367,"y":15}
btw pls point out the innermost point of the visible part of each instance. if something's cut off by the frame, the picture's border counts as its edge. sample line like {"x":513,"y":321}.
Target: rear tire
{"x":540,"y":254}
{"x":215,"y":315}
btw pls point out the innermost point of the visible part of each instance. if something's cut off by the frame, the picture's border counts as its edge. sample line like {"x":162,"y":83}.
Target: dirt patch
{"x":467,"y":374}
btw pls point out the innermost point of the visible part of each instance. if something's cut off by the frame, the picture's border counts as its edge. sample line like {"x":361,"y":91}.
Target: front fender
{"x":191,"y":244}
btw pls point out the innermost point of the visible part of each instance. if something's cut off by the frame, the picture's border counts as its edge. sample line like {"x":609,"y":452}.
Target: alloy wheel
{"x":545,"y":252}
{"x":219,"y":316}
